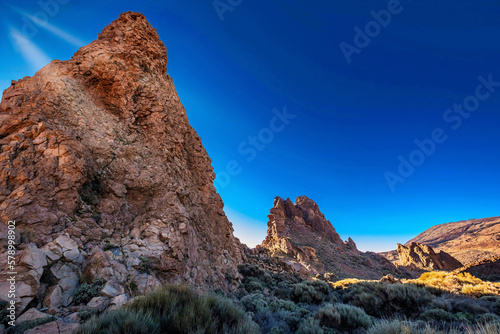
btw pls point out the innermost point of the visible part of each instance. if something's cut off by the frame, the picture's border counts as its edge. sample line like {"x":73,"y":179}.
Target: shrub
{"x":438,"y":315}
{"x":179,"y":309}
{"x":488,"y":317}
{"x":279,"y":321}
{"x":381,"y":299}
{"x":397,"y":326}
{"x":343,"y":316}
{"x":87,"y":313}
{"x":254,"y":302}
{"x":310,"y":326}
{"x":121,"y":322}
{"x":29,"y":324}
{"x":309,"y":292}
{"x":283,"y":290}
{"x":86,"y":291}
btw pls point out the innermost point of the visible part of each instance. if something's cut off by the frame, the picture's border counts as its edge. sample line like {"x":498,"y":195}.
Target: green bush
{"x":438,"y":315}
{"x":87,"y":313}
{"x":310,"y":326}
{"x":121,"y":322}
{"x":396,"y":326}
{"x":179,"y":309}
{"x":254,"y":302}
{"x":488,"y":317}
{"x":382,"y":299}
{"x":343,"y":316}
{"x":309,"y":292}
{"x":86,"y":291}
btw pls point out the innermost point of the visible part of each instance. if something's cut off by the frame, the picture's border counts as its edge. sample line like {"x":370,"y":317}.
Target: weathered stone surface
{"x":96,"y":152}
{"x":31,"y":314}
{"x":145,"y":283}
{"x":300,"y":234}
{"x":118,"y":301}
{"x":112,"y":289}
{"x":99,"y":303}
{"x":418,"y":256}
{"x":60,"y":326}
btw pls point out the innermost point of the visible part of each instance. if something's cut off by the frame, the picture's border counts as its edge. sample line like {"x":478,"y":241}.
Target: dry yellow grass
{"x":463,"y":283}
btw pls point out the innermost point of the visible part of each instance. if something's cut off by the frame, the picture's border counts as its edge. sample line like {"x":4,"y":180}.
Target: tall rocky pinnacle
{"x":300,"y":234}
{"x":419,"y":256}
{"x":104,"y":176}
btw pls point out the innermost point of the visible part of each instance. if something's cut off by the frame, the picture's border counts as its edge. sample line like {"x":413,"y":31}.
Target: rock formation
{"x":300,"y":234}
{"x":468,"y":241}
{"x":105,"y":178}
{"x":418,"y":256}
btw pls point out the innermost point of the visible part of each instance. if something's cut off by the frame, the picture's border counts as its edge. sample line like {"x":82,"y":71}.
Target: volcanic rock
{"x":418,"y":256}
{"x":300,"y":234}
{"x":97,"y":156}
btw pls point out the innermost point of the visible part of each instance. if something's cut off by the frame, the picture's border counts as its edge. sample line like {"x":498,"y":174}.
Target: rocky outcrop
{"x":300,"y":234}
{"x":468,"y":241}
{"x":105,"y":178}
{"x":422,"y":257}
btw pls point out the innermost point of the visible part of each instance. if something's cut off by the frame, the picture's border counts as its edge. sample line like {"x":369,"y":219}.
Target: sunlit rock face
{"x":98,"y":151}
{"x":300,"y":234}
{"x":419,"y":256}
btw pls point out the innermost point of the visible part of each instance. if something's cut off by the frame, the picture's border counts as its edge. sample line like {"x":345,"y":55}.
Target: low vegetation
{"x":173,"y":309}
{"x":284,"y":303}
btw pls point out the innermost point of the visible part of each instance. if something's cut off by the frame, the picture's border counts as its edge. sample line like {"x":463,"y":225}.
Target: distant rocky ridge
{"x":300,"y":234}
{"x":422,"y":257}
{"x":468,"y":241}
{"x":105,"y":178}
{"x":487,"y":269}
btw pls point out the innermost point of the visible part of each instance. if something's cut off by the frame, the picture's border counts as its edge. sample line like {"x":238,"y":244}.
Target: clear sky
{"x":319,"y":98}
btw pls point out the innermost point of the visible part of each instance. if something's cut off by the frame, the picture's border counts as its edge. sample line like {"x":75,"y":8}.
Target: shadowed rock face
{"x":98,"y":150}
{"x":300,"y":234}
{"x":418,"y":256}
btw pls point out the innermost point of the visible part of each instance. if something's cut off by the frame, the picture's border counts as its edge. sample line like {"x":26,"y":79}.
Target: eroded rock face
{"x":97,"y":158}
{"x":419,"y":256}
{"x":300,"y":234}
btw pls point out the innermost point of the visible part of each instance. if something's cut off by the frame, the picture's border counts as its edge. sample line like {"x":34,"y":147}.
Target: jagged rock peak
{"x":307,"y":211}
{"x":300,"y":234}
{"x":105,"y":177}
{"x":420,"y":256}
{"x":132,"y":34}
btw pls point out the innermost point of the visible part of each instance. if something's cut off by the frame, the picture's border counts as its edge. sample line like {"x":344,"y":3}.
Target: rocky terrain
{"x":106,"y":180}
{"x":300,"y":234}
{"x":487,"y":269}
{"x":112,"y":195}
{"x":422,"y":257}
{"x":468,"y":241}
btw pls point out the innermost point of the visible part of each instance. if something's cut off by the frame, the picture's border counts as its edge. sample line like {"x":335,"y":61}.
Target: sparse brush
{"x":310,"y":326}
{"x":343,"y":316}
{"x":174,"y":309}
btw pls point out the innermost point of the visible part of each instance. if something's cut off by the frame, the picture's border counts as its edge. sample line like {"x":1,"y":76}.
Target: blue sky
{"x":352,"y":121}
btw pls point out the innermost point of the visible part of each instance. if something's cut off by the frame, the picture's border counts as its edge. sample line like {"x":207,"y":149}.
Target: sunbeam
{"x":30,"y":52}
{"x":51,"y":28}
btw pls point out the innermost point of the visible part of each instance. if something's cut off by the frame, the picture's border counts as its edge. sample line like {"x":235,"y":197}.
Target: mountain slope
{"x":468,"y":241}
